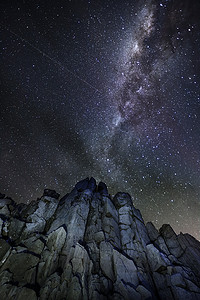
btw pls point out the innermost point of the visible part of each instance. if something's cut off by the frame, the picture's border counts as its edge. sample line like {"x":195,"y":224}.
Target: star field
{"x":107,"y":89}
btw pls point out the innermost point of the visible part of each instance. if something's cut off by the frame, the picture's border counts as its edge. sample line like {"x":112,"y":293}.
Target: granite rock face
{"x":90,"y":246}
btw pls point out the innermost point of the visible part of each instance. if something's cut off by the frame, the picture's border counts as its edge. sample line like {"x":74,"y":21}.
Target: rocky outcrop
{"x":90,"y":246}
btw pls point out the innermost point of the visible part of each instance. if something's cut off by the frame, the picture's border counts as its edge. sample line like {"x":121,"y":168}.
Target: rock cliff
{"x":88,"y":245}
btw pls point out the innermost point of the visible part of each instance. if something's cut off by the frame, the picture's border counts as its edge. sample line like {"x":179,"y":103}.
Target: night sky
{"x":109,"y":89}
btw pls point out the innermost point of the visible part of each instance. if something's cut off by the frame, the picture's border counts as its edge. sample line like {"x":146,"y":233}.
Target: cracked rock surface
{"x":88,"y":245}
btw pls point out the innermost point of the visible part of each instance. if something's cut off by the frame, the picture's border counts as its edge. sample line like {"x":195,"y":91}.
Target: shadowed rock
{"x":102,"y":188}
{"x":51,"y":193}
{"x":82,"y":185}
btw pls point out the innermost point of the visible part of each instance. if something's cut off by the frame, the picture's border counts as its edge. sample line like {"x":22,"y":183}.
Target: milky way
{"x":106,"y":89}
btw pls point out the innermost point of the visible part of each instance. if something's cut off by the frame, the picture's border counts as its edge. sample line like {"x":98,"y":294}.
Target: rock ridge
{"x":88,"y":245}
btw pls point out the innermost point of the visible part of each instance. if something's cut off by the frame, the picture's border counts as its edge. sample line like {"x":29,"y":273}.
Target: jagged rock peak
{"x":88,"y":245}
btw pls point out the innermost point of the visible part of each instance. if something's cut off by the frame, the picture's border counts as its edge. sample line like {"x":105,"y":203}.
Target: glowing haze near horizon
{"x":108,"y":89}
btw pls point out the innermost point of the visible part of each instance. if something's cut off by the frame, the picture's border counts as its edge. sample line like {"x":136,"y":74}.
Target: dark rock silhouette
{"x":89,"y":246}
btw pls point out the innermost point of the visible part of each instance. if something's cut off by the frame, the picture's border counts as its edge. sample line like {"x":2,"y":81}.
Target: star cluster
{"x":107,"y":89}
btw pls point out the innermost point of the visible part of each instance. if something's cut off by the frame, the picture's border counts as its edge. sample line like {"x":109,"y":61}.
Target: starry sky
{"x":109,"y":89}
